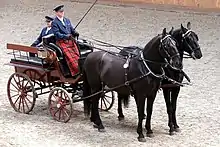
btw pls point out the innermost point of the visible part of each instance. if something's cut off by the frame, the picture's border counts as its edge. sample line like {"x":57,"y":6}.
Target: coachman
{"x":65,"y":33}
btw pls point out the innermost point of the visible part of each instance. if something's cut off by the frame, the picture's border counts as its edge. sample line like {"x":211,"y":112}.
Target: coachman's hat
{"x":59,"y":8}
{"x":48,"y":18}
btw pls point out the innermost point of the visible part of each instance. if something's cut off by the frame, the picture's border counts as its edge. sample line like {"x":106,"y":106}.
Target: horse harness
{"x":150,"y":72}
{"x":186,"y":42}
{"x":128,"y":82}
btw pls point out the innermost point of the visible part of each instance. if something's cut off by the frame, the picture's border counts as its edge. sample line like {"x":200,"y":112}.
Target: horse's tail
{"x":86,"y":92}
{"x":124,"y":99}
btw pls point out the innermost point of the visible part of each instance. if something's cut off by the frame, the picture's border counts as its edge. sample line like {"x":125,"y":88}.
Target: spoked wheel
{"x":60,"y":106}
{"x":21,"y":93}
{"x":106,"y":102}
{"x":35,"y":77}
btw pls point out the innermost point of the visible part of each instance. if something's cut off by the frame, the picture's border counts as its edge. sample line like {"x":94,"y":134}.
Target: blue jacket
{"x":42,"y":34}
{"x":61,"y":31}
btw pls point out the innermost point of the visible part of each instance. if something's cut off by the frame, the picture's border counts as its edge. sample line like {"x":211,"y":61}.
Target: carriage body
{"x":47,"y":72}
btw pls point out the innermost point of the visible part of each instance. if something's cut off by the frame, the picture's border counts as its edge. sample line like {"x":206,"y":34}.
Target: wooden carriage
{"x":47,"y":72}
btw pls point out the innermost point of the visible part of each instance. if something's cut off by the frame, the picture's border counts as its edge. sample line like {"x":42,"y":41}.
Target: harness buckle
{"x":126,"y":83}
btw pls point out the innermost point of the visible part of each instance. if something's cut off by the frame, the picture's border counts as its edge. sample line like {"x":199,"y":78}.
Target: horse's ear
{"x":171,"y":31}
{"x":182,"y":28}
{"x":189,"y":26}
{"x":164,"y":32}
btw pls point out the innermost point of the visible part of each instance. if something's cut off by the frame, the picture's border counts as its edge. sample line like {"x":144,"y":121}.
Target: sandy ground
{"x":198,"y":105}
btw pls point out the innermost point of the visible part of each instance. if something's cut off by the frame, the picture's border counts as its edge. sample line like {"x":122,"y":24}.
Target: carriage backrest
{"x":23,"y":48}
{"x":49,"y":41}
{"x":20,"y":53}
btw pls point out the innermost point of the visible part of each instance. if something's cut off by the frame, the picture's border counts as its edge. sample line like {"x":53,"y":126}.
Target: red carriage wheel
{"x":35,"y":77}
{"x":106,"y":102}
{"x":60,"y":106}
{"x":21,"y":93}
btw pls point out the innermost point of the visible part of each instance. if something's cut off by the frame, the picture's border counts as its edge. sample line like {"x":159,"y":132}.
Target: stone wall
{"x":190,"y":3}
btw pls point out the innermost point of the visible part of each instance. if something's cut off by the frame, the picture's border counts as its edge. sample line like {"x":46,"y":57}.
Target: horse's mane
{"x":153,"y":41}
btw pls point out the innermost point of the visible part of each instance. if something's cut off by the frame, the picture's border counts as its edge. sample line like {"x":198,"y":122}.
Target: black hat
{"x":48,"y":18}
{"x":59,"y":8}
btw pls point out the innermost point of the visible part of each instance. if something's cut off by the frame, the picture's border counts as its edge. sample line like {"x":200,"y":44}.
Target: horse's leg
{"x":86,"y":92}
{"x":150,"y":101}
{"x":166,"y":94}
{"x":95,"y":117}
{"x":140,"y":101}
{"x":87,"y":107}
{"x":174,"y":96}
{"x":120,"y":112}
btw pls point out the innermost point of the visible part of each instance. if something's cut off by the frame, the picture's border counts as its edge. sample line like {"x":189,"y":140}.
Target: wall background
{"x":190,"y":3}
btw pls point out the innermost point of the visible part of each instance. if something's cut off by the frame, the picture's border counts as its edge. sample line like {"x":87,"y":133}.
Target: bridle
{"x":162,"y":75}
{"x":184,"y":36}
{"x":166,"y":62}
{"x":163,"y":48}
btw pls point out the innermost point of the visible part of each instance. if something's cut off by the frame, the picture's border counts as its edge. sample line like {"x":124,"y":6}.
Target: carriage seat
{"x":83,"y":45}
{"x":57,"y":49}
{"x":84,"y":49}
{"x":50,"y":41}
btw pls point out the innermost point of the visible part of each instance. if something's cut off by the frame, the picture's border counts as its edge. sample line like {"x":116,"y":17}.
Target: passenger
{"x":64,"y":33}
{"x":44,"y":32}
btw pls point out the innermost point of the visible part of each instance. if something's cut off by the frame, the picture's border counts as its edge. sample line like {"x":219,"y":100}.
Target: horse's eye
{"x":188,"y":39}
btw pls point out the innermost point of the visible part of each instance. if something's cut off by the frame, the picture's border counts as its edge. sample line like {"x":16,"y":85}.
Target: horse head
{"x":190,"y":42}
{"x":168,"y":50}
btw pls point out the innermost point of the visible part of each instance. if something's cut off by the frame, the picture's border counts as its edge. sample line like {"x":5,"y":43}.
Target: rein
{"x":106,"y":44}
{"x":127,"y":83}
{"x":162,"y":76}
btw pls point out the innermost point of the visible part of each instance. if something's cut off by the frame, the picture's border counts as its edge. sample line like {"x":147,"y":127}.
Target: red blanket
{"x":71,"y":53}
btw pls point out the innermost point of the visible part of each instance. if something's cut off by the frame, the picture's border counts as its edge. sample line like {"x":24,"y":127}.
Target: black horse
{"x":187,"y":41}
{"x":142,"y":77}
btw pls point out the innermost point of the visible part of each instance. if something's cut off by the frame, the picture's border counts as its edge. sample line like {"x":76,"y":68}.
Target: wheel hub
{"x":58,"y":105}
{"x":19,"y":93}
{"x":22,"y":93}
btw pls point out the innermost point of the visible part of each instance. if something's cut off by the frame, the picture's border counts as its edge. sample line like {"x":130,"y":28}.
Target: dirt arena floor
{"x":198,"y":111}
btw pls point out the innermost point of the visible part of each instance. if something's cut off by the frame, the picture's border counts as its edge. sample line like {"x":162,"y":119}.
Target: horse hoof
{"x":150,"y":135}
{"x":177,"y":129}
{"x":141,"y":139}
{"x":102,"y":130}
{"x":171,"y":133}
{"x":86,"y":115}
{"x":95,"y":126}
{"x":120,"y":118}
